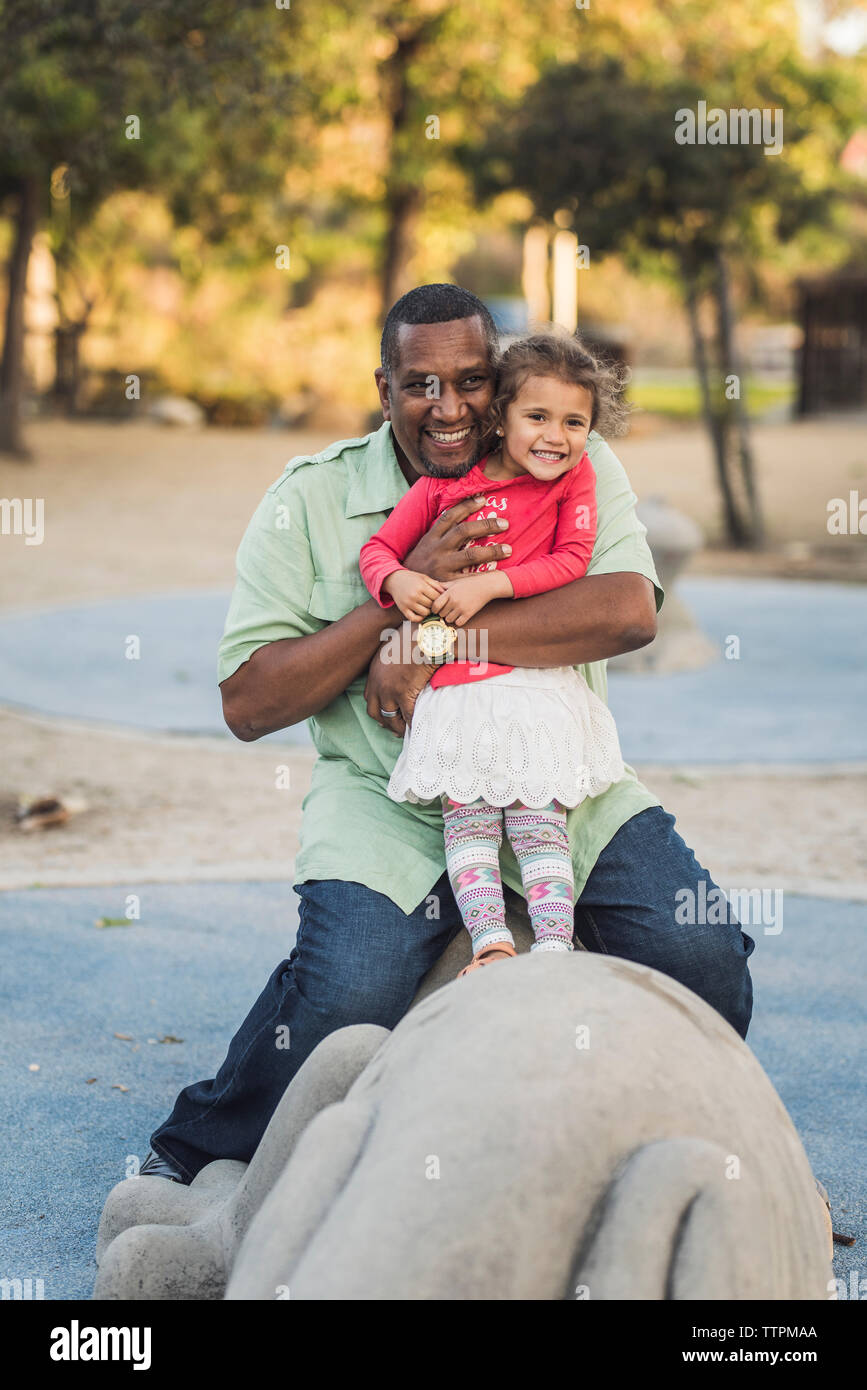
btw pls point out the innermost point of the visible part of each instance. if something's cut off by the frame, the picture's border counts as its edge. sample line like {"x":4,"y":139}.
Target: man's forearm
{"x":286,"y":682}
{"x":589,"y":620}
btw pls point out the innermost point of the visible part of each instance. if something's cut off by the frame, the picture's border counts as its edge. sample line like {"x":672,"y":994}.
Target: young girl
{"x":502,"y":745}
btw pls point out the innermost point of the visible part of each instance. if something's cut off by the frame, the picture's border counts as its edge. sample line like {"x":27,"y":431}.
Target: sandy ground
{"x":137,"y":509}
{"x":140,"y":510}
{"x":161,"y":809}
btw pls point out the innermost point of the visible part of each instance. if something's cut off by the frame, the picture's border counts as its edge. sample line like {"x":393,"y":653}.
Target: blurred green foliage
{"x":381,"y":143}
{"x":681,"y":400}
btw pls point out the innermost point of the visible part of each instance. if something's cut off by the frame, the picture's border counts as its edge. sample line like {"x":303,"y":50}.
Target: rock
{"x":295,"y":410}
{"x":177,"y":410}
{"x":46,"y":812}
{"x":672,"y":537}
{"x":680,"y":644}
{"x":547,"y":1128}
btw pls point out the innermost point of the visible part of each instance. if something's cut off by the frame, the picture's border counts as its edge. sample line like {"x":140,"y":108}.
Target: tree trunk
{"x":67,"y":366}
{"x":714,"y":423}
{"x":404,"y":196}
{"x":12,"y":361}
{"x":402,"y":210}
{"x":735,"y":408}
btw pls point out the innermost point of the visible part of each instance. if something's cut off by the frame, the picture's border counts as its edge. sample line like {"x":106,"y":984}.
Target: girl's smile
{"x":545,"y":430}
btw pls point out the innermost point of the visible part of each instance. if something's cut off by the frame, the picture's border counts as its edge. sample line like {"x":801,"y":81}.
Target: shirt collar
{"x":376,"y":482}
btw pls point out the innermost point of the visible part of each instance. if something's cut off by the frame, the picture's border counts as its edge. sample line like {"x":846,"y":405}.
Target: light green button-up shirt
{"x":297,"y":571}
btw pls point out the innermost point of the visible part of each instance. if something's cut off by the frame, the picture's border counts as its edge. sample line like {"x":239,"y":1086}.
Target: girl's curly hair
{"x":552,"y":351}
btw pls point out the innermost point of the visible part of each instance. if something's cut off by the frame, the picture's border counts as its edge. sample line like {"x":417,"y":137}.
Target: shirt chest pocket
{"x":334,"y":598}
{"x":337,"y":585}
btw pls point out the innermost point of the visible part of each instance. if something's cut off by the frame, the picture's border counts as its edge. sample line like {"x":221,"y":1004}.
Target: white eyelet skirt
{"x":529,"y":735}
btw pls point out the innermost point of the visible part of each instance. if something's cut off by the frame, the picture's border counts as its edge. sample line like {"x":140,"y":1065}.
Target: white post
{"x":565,"y":253}
{"x":534,"y":277}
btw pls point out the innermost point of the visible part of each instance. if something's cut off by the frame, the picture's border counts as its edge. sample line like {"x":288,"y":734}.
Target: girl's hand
{"x":463,"y":598}
{"x":412,"y":592}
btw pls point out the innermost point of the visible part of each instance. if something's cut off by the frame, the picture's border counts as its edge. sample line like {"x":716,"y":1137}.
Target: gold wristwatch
{"x":436,"y":640}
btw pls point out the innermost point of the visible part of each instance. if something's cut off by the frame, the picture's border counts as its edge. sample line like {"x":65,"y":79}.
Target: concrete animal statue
{"x":547,"y":1128}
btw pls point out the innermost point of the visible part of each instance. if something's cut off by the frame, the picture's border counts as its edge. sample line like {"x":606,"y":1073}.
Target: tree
{"x":418,"y":78}
{"x":96,"y":97}
{"x":595,"y":141}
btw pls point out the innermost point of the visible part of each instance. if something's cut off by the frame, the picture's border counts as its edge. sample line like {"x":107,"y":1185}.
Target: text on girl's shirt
{"x":492,"y":507}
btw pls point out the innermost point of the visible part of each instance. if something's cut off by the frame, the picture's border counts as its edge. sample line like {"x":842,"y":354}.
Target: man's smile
{"x":449,"y":439}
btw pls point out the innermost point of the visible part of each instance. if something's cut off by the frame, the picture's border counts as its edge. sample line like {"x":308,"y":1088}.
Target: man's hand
{"x":462,"y":598}
{"x":412,"y":592}
{"x":395,"y":685}
{"x":441,"y":552}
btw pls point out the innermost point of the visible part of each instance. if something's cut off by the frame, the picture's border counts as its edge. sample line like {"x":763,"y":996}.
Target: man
{"x":303,"y":640}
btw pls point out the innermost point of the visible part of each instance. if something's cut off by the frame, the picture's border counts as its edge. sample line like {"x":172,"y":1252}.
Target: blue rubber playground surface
{"x":801,"y":651}
{"x":191,"y":967}
{"x":80,"y":1102}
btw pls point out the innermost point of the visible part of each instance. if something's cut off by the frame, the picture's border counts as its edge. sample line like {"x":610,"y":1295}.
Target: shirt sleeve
{"x":573,"y":539}
{"x":385,"y":551}
{"x":621,"y":544}
{"x":275,"y":577}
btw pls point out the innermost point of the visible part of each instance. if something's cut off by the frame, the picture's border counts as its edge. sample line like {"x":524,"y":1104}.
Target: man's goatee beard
{"x":439,"y":470}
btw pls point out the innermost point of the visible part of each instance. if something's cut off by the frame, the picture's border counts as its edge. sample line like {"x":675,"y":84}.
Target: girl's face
{"x":546,"y":427}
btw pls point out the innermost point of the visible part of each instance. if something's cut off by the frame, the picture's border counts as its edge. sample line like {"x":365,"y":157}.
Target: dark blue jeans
{"x":359,"y":959}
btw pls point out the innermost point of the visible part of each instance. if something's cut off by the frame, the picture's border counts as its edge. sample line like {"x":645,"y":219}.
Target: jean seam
{"x":589,"y":917}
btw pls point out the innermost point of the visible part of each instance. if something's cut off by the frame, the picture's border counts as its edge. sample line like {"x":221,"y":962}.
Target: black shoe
{"x":155,"y":1166}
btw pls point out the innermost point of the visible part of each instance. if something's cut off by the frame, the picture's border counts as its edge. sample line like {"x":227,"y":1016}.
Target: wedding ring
{"x":388,"y":713}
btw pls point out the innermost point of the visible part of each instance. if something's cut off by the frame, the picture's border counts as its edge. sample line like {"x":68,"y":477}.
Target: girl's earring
{"x":499,"y":431}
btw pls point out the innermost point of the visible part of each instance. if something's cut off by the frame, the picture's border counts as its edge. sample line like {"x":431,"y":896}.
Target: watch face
{"x":436,"y":640}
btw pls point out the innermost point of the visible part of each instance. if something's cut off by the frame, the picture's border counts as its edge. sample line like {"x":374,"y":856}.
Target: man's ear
{"x":382,"y":387}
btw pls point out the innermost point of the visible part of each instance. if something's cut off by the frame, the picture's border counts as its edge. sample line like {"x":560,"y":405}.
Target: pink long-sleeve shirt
{"x":552,"y":528}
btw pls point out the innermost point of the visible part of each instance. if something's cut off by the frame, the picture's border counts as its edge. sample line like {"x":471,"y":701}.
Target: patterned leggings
{"x":473,"y":836}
